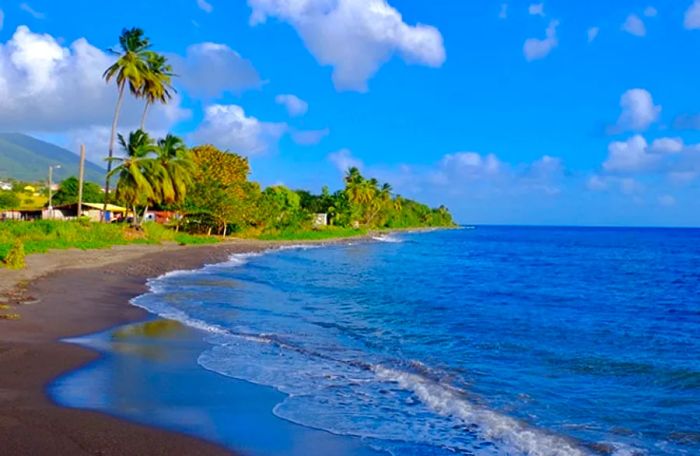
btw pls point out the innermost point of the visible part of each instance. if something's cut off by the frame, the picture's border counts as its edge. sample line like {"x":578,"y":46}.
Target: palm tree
{"x":135,"y":171}
{"x":353,"y":176}
{"x":157,"y":83}
{"x":130,"y":68}
{"x":175,"y":168}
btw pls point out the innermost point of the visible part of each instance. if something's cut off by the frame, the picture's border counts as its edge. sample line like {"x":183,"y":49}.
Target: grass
{"x":329,"y":232}
{"x":43,"y":235}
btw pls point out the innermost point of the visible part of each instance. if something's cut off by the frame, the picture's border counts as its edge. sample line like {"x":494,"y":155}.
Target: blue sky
{"x":527,"y":112}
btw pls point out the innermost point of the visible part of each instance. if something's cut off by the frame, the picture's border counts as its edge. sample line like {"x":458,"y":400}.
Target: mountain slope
{"x":25,"y":158}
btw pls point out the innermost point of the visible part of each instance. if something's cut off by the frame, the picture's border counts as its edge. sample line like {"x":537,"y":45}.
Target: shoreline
{"x":69,"y":293}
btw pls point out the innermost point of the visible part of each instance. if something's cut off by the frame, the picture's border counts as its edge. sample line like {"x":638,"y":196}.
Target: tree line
{"x":210,"y":188}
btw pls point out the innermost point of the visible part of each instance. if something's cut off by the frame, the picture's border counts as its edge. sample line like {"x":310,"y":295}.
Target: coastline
{"x":72,"y":293}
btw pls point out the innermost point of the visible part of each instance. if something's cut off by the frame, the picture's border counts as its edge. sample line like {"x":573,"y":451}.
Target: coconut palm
{"x":174,"y":170}
{"x":157,"y":83}
{"x":135,"y":171}
{"x":130,"y":69}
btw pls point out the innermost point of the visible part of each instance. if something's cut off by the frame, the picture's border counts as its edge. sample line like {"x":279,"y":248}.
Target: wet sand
{"x":72,"y":293}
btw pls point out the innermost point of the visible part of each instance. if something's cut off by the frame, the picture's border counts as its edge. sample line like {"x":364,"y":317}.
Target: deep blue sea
{"x":485,"y":341}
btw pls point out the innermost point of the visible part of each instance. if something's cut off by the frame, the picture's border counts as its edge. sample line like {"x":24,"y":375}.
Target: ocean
{"x":484,"y":341}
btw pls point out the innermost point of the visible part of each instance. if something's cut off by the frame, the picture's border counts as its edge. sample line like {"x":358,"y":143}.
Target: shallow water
{"x":499,"y":340}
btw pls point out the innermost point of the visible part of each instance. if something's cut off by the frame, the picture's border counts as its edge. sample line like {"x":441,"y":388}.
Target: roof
{"x":98,"y":206}
{"x":110,"y":207}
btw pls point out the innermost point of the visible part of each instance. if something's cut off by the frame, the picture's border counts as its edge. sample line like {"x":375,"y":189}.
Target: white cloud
{"x":355,"y":37}
{"x":536,"y":9}
{"x":2,"y":19}
{"x":344,"y":160}
{"x":31,"y":11}
{"x":295,"y":106}
{"x":650,"y":11}
{"x":666,"y":200}
{"x":205,"y":6}
{"x":592,"y":33}
{"x":638,"y":110}
{"x":692,"y":16}
{"x":668,"y":157}
{"x":45,"y":87}
{"x":535,"y":48}
{"x":309,"y":137}
{"x":667,"y":145}
{"x":625,"y":185}
{"x":634,"y":26}
{"x":597,"y":183}
{"x":212,"y":69}
{"x":503,"y":13}
{"x":629,"y":156}
{"x":228,"y":127}
{"x":461,"y":172}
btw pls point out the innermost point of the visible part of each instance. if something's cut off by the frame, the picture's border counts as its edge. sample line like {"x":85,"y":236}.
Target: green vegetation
{"x":20,"y":238}
{"x":9,"y":200}
{"x":68,"y":192}
{"x":15,"y":258}
{"x":329,"y":232}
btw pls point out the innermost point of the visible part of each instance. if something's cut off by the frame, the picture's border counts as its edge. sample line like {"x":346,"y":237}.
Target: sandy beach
{"x":70,"y":293}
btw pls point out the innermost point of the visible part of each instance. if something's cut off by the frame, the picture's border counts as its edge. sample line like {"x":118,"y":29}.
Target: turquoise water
{"x":493,"y":341}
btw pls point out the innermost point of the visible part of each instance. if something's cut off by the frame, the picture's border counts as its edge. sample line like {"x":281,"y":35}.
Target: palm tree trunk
{"x":143,"y":116}
{"x":115,"y":121}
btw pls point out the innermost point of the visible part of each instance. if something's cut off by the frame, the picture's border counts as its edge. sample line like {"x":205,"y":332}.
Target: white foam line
{"x":515,"y":435}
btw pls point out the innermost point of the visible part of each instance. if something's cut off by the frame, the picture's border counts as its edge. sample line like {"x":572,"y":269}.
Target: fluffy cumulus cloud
{"x":669,"y":158}
{"x":47,"y":87}
{"x":692,"y":16}
{"x":629,"y":156}
{"x":228,"y":127}
{"x":211,"y":69}
{"x":205,"y":6}
{"x":592,"y":33}
{"x":667,"y":145}
{"x":295,"y":106}
{"x":634,"y":26}
{"x":650,"y":11}
{"x":535,"y":48}
{"x":638,"y":111}
{"x":355,"y":37}
{"x":536,"y":9}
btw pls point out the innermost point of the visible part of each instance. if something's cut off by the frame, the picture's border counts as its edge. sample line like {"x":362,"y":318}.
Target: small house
{"x":320,"y":220}
{"x":93,"y":211}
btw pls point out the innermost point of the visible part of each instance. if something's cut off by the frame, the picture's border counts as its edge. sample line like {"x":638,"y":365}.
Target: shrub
{"x":15,"y":258}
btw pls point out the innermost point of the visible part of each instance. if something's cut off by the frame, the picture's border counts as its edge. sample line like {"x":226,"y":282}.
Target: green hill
{"x":25,"y":158}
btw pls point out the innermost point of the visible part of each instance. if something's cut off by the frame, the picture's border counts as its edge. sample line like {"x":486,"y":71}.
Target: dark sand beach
{"x":78,"y":293}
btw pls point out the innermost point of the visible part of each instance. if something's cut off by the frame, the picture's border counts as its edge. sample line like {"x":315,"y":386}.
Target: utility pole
{"x":81,"y":176}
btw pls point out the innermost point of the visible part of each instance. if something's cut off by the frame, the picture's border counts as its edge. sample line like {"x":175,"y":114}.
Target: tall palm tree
{"x":175,"y":169}
{"x":157,"y":84}
{"x":135,"y":171}
{"x":130,"y":69}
